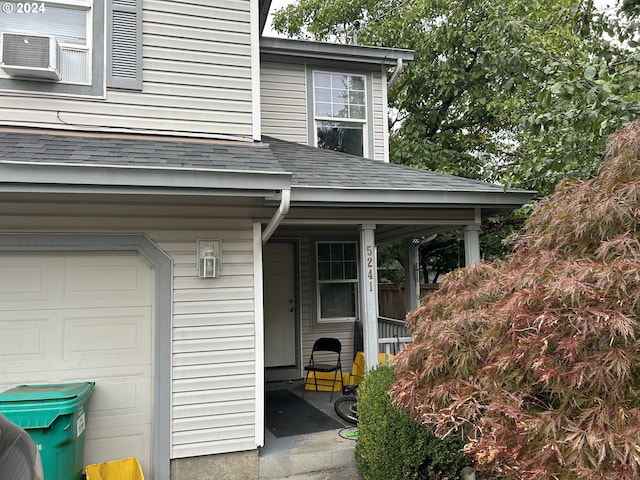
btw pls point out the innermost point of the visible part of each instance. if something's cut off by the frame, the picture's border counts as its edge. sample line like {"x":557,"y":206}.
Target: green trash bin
{"x":55,"y":416}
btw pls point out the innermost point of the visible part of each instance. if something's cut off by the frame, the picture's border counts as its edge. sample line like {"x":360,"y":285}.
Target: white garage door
{"x":84,"y":317}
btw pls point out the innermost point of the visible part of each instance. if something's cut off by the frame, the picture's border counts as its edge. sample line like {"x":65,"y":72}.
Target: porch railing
{"x":392,"y":336}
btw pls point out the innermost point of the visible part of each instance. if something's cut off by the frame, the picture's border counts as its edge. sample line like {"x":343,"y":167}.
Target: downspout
{"x":285,"y":203}
{"x":396,"y":74}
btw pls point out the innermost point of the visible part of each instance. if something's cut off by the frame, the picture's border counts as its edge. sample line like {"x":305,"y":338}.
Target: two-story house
{"x":179,"y":219}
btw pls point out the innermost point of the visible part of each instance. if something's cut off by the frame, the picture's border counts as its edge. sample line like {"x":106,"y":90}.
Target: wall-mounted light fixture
{"x":209,"y":258}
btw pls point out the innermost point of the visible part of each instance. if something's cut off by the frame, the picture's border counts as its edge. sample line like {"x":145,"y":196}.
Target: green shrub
{"x":393,"y":446}
{"x":537,"y":358}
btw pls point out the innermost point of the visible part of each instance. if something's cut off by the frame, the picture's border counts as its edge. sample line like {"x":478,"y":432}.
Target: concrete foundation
{"x":228,"y":466}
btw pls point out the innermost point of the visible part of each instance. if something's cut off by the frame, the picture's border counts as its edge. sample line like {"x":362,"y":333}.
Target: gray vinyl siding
{"x":213,"y":378}
{"x":309,"y":335}
{"x":196,"y":78}
{"x":214,"y":381}
{"x":284,"y":102}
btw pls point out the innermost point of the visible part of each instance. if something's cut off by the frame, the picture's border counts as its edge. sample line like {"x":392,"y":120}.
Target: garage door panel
{"x":28,"y":279}
{"x":117,"y":336}
{"x":22,"y":340}
{"x":106,"y":278}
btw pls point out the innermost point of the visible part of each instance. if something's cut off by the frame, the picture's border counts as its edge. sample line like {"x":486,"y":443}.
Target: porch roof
{"x":324,"y":176}
{"x":63,"y":161}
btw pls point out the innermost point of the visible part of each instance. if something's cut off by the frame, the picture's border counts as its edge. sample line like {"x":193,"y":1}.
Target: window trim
{"x":318,"y":323}
{"x":96,"y":44}
{"x":367,"y":122}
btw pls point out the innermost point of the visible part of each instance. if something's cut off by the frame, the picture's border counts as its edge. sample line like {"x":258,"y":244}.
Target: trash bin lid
{"x":40,"y":393}
{"x":37,"y":406}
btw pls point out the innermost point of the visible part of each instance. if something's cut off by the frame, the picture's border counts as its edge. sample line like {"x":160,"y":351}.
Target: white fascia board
{"x":38,"y":176}
{"x":363,"y":197}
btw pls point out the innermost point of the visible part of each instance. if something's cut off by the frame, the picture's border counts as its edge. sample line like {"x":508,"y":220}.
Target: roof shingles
{"x":309,"y":167}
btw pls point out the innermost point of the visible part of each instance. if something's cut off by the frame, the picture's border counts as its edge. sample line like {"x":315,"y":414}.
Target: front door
{"x":281,"y":326}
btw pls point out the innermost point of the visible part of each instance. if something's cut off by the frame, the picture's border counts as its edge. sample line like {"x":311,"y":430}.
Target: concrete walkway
{"x":328,"y":455}
{"x":347,"y":473}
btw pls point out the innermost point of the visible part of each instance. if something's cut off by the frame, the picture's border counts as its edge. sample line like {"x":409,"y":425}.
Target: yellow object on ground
{"x":325,"y":381}
{"x":125,"y":469}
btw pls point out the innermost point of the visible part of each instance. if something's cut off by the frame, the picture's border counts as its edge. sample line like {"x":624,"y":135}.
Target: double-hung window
{"x":340,"y":112}
{"x":336,"y":281}
{"x":58,"y":46}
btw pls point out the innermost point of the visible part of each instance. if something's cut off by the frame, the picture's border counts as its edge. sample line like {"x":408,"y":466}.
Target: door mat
{"x":286,"y":415}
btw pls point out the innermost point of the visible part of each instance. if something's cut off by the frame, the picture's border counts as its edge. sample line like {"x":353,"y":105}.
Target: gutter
{"x":285,"y":203}
{"x":396,"y":73}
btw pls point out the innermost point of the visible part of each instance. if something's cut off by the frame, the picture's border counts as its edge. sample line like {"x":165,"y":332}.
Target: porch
{"x":324,"y":454}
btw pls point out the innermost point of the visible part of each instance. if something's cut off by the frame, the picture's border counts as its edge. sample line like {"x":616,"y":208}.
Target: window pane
{"x":337,"y":252}
{"x":324,"y":109}
{"x":340,"y":82}
{"x":350,"y":251}
{"x":341,"y":137}
{"x":350,"y":270}
{"x":322,"y":79}
{"x":323,"y":95}
{"x":324,"y":252}
{"x":337,"y":300}
{"x":357,"y":83}
{"x":356,"y":98}
{"x":357,"y":111}
{"x":337,"y":271}
{"x":324,"y":271}
{"x":66,"y":24}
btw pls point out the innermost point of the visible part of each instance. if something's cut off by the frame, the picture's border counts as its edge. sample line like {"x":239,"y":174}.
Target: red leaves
{"x":537,"y":359}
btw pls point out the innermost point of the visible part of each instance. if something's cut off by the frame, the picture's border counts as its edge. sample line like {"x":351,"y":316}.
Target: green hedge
{"x":393,"y":446}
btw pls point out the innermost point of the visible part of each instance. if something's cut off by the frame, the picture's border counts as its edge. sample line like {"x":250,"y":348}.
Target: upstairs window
{"x":58,"y":46}
{"x":67,"y":23}
{"x":340,"y":112}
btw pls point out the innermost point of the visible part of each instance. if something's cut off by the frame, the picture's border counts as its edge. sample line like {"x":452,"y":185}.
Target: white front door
{"x":67,"y":317}
{"x":280,"y":312}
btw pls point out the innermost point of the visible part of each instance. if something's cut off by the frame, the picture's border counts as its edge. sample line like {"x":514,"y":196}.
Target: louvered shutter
{"x":124,"y":44}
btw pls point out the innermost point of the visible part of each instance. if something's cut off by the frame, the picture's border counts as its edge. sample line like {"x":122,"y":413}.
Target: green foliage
{"x":393,"y":446}
{"x":537,"y":358}
{"x":524,"y":92}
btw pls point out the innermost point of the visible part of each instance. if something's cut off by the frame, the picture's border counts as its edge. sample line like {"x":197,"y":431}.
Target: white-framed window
{"x":68,"y":21}
{"x":340,"y":112}
{"x":336,"y":281}
{"x":98,"y":45}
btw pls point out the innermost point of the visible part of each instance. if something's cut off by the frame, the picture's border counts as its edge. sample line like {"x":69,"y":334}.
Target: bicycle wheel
{"x":347,"y":409}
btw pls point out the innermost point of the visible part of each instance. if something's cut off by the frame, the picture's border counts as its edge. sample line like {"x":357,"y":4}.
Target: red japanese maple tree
{"x":535,"y":360}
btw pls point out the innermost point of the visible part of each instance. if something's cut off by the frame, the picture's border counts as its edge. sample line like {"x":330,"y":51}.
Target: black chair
{"x":328,"y":348}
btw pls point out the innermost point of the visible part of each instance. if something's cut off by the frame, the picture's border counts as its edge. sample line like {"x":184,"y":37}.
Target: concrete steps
{"x":318,"y":456}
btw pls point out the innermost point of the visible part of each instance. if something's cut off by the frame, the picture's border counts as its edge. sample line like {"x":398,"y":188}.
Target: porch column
{"x":471,"y":244}
{"x":411,"y":274}
{"x":369,"y":295}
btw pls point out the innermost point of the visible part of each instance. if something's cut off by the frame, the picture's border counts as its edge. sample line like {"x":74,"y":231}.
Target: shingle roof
{"x":134,"y":151}
{"x":314,"y":173}
{"x":315,"y":167}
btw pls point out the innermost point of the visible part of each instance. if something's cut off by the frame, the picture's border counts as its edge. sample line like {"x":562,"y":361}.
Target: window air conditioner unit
{"x":30,"y":56}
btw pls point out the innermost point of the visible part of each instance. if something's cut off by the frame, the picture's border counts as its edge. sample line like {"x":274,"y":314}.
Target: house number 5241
{"x":370,"y":266}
